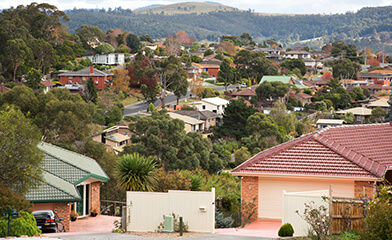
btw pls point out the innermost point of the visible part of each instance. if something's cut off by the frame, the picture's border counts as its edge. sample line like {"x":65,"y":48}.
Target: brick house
{"x":211,"y":69}
{"x":99,"y":77}
{"x":352,"y":158}
{"x":382,"y":76}
{"x":361,"y":114}
{"x":71,"y":182}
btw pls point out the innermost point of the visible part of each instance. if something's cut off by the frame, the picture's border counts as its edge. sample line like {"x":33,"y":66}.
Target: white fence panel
{"x":295,"y":201}
{"x":145,"y":210}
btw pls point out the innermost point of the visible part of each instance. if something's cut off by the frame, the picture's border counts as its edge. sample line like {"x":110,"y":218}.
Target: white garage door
{"x":270,"y":192}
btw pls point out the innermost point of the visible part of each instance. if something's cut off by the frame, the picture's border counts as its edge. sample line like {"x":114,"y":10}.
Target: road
{"x":142,"y":106}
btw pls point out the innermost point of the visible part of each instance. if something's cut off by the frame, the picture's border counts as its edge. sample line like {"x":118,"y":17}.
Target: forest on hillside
{"x":363,"y":25}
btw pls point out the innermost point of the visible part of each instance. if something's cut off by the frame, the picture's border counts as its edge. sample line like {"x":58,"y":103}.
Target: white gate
{"x":295,"y":201}
{"x":145,"y":210}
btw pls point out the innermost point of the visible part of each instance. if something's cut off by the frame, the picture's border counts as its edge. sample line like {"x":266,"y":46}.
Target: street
{"x":171,"y":98}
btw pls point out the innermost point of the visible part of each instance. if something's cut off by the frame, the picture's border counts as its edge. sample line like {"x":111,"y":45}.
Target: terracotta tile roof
{"x":377,"y":87}
{"x":356,"y":151}
{"x":303,"y":95}
{"x":48,"y":83}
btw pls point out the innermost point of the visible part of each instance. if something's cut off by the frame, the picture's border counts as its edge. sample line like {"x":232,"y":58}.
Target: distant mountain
{"x":186,"y":8}
{"x":213,"y":2}
{"x":149,"y":6}
{"x":371,"y":26}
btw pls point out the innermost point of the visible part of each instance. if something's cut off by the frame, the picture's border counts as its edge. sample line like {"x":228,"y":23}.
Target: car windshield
{"x":43,"y":214}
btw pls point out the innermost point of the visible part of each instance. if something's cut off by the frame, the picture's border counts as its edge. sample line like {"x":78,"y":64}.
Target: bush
{"x":25,"y":224}
{"x":286,"y":230}
{"x":378,"y":222}
{"x":9,"y":198}
{"x":221,"y":221}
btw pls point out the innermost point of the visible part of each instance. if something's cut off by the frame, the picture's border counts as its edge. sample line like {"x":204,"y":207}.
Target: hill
{"x":185,"y":8}
{"x":363,"y":27}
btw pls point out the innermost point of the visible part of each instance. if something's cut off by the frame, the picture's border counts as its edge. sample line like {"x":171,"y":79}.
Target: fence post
{"x":124,"y":218}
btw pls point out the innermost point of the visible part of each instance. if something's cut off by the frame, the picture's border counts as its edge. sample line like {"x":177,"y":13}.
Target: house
{"x":71,"y":182}
{"x":303,"y":98}
{"x":350,"y":160}
{"x":214,"y":104}
{"x":99,"y":77}
{"x":382,"y":77}
{"x":114,"y":138}
{"x":382,"y":103}
{"x":107,"y":59}
{"x":211,"y":69}
{"x":209,"y":118}
{"x":377,"y":89}
{"x":297,"y":54}
{"x":317,"y":84}
{"x":354,"y":83}
{"x":270,"y":50}
{"x":191,"y":124}
{"x":47,"y":85}
{"x":324,"y":123}
{"x":245,"y":93}
{"x":74,"y":88}
{"x":312,"y":63}
{"x":361,"y":114}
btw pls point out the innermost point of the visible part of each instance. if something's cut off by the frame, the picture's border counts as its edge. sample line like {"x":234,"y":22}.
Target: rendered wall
{"x":145,"y":210}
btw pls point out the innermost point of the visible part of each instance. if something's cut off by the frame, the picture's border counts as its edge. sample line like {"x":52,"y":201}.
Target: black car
{"x":47,"y":221}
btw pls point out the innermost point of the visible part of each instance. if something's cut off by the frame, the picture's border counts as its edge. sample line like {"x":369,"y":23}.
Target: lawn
{"x":134,"y":96}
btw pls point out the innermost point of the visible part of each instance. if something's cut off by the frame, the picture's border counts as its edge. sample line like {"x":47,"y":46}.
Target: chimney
{"x":91,"y":69}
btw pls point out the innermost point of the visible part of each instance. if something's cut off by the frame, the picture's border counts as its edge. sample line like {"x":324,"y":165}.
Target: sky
{"x":262,"y":6}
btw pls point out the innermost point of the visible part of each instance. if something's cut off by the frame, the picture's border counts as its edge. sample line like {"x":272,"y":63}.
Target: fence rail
{"x":112,"y":208}
{"x":347,"y":214}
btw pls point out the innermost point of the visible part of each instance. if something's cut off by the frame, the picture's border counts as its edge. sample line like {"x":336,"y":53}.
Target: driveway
{"x":100,"y":228}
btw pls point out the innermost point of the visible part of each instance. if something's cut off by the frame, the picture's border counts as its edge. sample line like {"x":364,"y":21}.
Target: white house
{"x":107,"y":59}
{"x":297,"y":54}
{"x":214,"y":104}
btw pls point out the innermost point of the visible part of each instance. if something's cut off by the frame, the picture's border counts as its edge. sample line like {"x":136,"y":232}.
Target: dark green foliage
{"x":345,"y":69}
{"x":104,"y":48}
{"x":271,"y":90}
{"x":221,"y":221}
{"x":227,"y":73}
{"x":25,"y":224}
{"x":145,"y":38}
{"x":33,"y":78}
{"x":196,"y":59}
{"x":208,"y":52}
{"x":136,"y":173}
{"x":234,"y":120}
{"x":90,"y":93}
{"x":291,"y":64}
{"x":252,"y":65}
{"x":286,"y":230}
{"x":133,"y":42}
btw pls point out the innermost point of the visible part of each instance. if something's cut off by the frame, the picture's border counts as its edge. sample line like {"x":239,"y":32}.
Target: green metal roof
{"x":300,"y":86}
{"x":69,"y":165}
{"x":283,"y":79}
{"x":54,"y":189}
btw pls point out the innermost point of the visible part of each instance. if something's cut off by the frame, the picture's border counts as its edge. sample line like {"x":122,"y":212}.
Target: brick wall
{"x":364,"y":189}
{"x":249,"y":191}
{"x":95,"y":196}
{"x":63,"y":210}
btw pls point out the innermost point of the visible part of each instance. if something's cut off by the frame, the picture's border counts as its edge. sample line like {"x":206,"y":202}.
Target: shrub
{"x":9,"y":198}
{"x":221,"y":221}
{"x":25,"y":224}
{"x":378,"y":222}
{"x":286,"y":230}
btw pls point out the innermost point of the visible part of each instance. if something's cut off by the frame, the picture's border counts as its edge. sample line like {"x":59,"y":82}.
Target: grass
{"x":130,"y":100}
{"x":134,"y":97}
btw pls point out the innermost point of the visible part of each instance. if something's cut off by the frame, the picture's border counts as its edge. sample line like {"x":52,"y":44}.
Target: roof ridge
{"x":274,"y":150}
{"x":366,"y":163}
{"x":70,"y":194}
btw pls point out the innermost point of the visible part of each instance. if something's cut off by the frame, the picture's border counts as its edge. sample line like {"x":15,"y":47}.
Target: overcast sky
{"x":263,"y":6}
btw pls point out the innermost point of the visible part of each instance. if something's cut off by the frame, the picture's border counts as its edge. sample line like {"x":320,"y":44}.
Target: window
{"x":193,"y":128}
{"x":359,"y":118}
{"x":217,"y":107}
{"x":214,"y":111}
{"x":204,"y":106}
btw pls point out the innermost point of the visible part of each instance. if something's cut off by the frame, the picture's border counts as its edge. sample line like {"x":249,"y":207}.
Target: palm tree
{"x":136,"y":173}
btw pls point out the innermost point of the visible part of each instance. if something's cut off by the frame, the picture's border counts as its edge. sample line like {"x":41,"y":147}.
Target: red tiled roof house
{"x":100,"y":78}
{"x":350,"y":158}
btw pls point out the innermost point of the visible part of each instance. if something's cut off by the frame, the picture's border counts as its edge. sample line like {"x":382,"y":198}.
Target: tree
{"x":271,"y":90}
{"x":241,"y":155}
{"x":172,"y":45}
{"x":43,"y":54}
{"x":133,"y":42}
{"x":292,"y":64}
{"x":121,"y":80}
{"x":146,"y":38}
{"x":150,"y":93}
{"x":348,"y":117}
{"x":378,"y":115}
{"x":33,"y":78}
{"x":345,"y":69}
{"x":208,"y":52}
{"x":17,"y":53}
{"x":20,"y":158}
{"x":90,"y":91}
{"x":226,"y":46}
{"x":196,"y":86}
{"x":282,"y":118}
{"x":262,"y":126}
{"x":234,"y":118}
{"x":388,"y":116}
{"x":254,"y":65}
{"x":136,"y":173}
{"x":183,"y":37}
{"x":226,"y":73}
{"x":104,"y":48}
{"x":89,"y":34}
{"x":326,"y":76}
